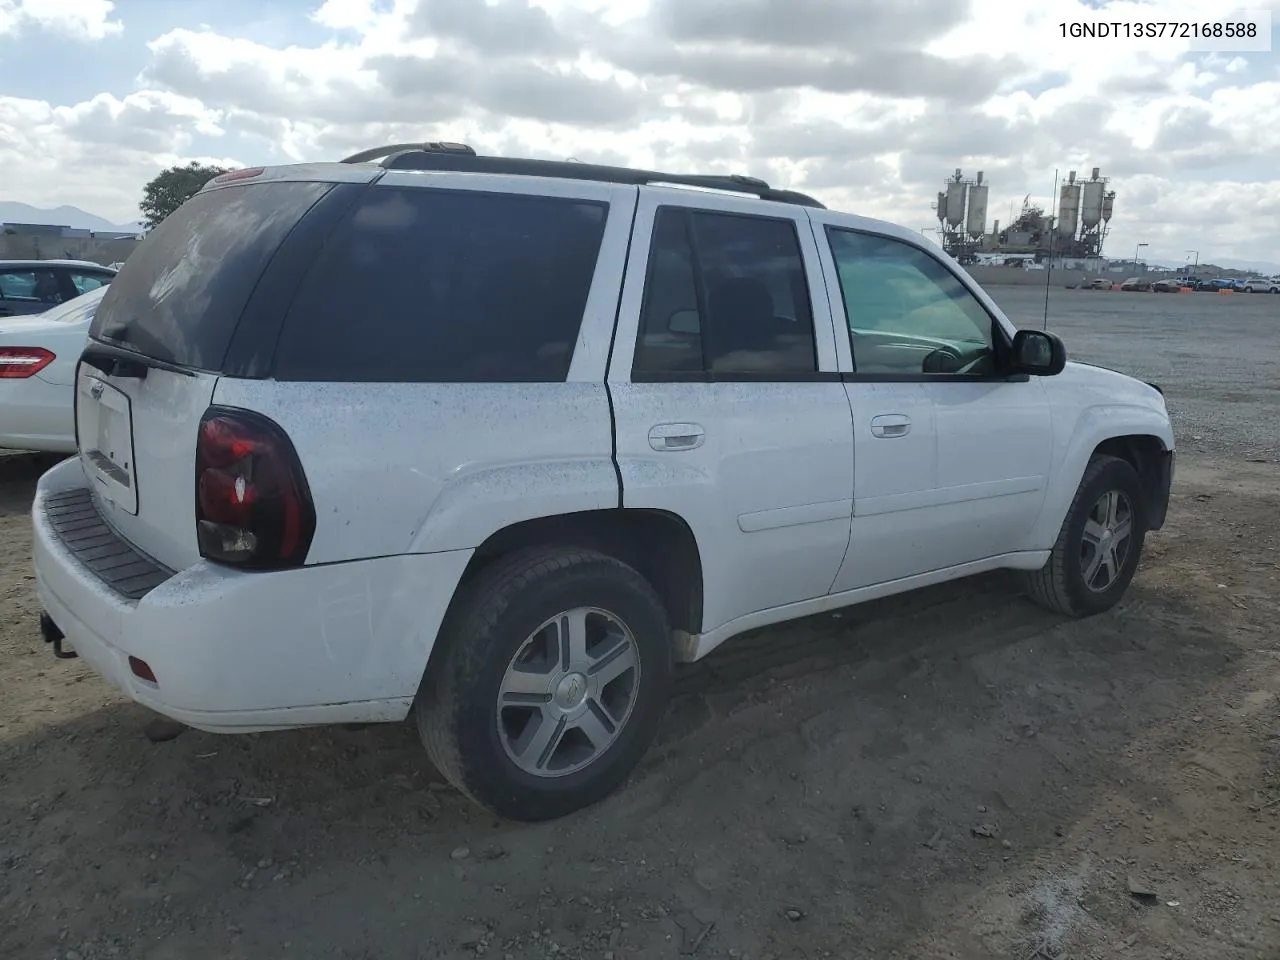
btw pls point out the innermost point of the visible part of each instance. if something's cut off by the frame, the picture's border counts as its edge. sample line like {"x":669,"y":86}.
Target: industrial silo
{"x":976,"y":222}
{"x":955,"y":203}
{"x":1069,"y":207}
{"x":1108,"y":205}
{"x":1091,"y":203}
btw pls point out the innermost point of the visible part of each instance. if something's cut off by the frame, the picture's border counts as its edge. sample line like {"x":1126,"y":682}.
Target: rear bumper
{"x":237,"y":652}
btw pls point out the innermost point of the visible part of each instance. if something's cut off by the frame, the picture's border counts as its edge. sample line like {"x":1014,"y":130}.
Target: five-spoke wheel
{"x":552,"y":673}
{"x":568,"y":692}
{"x":1098,"y":545}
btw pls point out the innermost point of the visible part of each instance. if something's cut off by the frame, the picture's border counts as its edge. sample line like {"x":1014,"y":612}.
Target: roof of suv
{"x":460,"y":158}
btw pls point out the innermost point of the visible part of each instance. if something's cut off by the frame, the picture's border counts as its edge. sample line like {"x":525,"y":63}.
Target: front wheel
{"x":1099,"y":544}
{"x":554,"y":674}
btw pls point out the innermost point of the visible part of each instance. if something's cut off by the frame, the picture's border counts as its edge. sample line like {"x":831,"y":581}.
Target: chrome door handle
{"x":890,"y":425}
{"x":676,"y":436}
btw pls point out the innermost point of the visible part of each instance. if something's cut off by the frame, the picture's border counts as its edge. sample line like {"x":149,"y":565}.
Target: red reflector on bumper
{"x":142,"y":669}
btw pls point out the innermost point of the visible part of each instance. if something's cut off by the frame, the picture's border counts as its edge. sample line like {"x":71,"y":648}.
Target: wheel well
{"x":659,"y":545}
{"x":1144,"y":453}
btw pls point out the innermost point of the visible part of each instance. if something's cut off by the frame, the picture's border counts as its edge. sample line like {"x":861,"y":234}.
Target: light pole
{"x":1197,"y":263}
{"x":1136,"y":248}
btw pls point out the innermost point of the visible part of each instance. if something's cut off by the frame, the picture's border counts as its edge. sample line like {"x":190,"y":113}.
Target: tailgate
{"x":137,"y":442}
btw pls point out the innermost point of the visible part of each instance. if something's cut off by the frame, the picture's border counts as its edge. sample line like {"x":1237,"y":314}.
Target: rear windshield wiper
{"x":119,"y":362}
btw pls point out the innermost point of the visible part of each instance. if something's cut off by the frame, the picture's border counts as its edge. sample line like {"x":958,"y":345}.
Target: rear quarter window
{"x":180,"y":295}
{"x":437,"y":286}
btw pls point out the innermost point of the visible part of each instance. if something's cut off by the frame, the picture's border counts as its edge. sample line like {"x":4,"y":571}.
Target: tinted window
{"x":89,"y":281}
{"x":181,"y":293}
{"x":724,"y":294}
{"x":906,"y":312}
{"x":437,"y":286}
{"x":31,"y":286}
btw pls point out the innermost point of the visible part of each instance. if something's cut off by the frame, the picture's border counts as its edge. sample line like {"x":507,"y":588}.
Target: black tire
{"x":487,"y":625}
{"x":1060,"y":585}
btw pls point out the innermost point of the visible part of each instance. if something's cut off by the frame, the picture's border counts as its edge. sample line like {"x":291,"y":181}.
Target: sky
{"x":867,"y":104}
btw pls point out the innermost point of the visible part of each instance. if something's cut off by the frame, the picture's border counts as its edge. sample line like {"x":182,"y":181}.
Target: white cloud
{"x":867,"y":110}
{"x":78,"y":19}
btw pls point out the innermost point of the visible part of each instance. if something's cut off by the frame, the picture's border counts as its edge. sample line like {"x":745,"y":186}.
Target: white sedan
{"x":38,"y":356}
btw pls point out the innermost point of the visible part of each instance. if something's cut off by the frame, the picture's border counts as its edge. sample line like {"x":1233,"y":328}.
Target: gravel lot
{"x":953,"y":774}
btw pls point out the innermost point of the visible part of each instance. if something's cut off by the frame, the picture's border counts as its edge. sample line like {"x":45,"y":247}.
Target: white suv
{"x":499,"y":441}
{"x":1262,"y":285}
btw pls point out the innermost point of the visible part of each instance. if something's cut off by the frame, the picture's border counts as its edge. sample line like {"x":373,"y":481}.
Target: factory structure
{"x":1076,"y":231}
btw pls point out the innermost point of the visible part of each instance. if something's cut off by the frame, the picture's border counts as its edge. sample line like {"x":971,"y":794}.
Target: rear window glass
{"x":423,"y":285}
{"x":181,"y":293}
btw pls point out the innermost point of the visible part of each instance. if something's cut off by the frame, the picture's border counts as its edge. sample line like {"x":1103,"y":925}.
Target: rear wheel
{"x":1099,"y":544}
{"x":553,"y":676}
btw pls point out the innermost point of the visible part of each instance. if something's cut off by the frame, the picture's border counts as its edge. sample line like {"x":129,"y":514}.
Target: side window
{"x":89,"y":281}
{"x":906,"y":312}
{"x":435,"y":286}
{"x":31,"y":286}
{"x":724,"y":294}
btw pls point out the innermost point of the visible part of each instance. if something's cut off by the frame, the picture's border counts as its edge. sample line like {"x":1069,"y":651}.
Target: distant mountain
{"x":1258,"y":266}
{"x":65,"y":216}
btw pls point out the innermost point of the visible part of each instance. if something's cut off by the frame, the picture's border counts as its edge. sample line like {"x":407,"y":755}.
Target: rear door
{"x":728,"y":405}
{"x":175,"y":307}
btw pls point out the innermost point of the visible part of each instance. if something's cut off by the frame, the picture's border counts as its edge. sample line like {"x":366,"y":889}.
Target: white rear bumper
{"x":235,"y":651}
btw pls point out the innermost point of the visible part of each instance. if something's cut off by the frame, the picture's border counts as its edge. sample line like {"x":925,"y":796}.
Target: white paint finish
{"x":704,"y":643}
{"x":966,"y":483}
{"x":423,"y":467}
{"x":36,"y":415}
{"x":1090,"y":405}
{"x":783,"y":450}
{"x":165,"y":414}
{"x":995,"y":440}
{"x":795,"y":516}
{"x":228,"y":644}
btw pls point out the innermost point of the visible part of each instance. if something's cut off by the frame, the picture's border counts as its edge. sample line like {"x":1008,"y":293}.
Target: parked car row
{"x":1175,"y":284}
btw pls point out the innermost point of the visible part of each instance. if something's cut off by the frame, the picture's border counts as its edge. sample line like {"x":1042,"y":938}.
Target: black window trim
{"x":997,"y":328}
{"x":687,"y":212}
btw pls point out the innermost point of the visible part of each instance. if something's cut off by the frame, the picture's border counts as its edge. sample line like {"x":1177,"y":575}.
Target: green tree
{"x":173,"y":187}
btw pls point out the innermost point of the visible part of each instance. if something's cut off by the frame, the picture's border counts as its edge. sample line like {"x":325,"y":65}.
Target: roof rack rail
{"x":459,"y":157}
{"x":436,"y":146}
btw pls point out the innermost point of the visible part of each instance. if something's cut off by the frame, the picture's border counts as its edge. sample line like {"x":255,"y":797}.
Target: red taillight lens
{"x":253,"y":507}
{"x":18,"y":363}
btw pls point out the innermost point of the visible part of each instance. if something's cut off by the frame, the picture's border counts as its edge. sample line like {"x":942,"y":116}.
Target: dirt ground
{"x":950,"y":774}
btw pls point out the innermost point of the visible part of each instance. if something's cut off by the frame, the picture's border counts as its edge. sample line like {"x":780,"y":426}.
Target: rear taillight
{"x":253,"y":507}
{"x":18,"y":363}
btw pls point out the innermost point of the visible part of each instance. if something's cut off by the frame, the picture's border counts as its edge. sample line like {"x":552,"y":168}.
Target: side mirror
{"x":1038,"y":353}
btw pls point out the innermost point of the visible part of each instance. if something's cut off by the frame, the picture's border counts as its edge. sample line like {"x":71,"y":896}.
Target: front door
{"x":951,"y":454}
{"x":728,"y":405}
